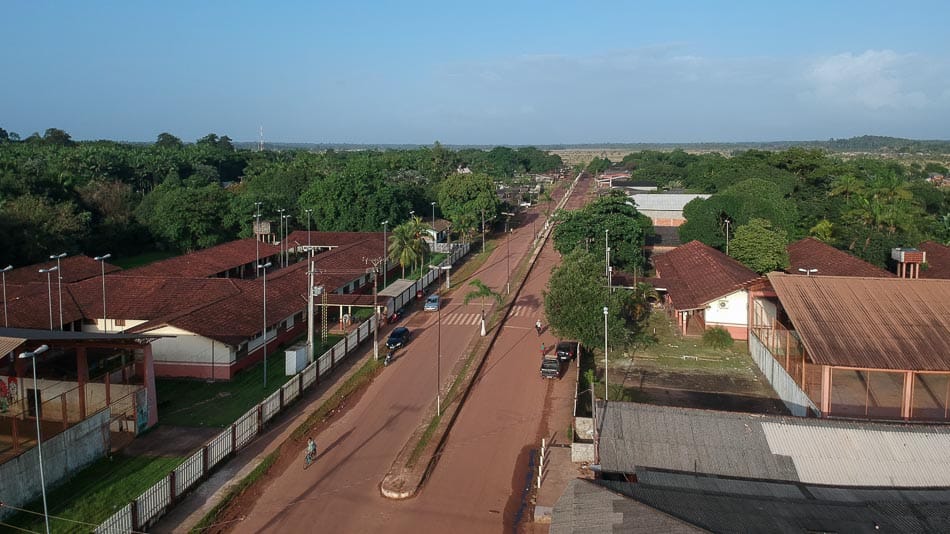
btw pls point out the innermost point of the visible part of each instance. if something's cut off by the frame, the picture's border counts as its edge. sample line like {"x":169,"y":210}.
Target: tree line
{"x":58,"y":194}
{"x":863,"y":205}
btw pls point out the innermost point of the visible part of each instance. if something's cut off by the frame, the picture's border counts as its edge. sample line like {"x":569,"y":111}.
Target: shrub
{"x":717,"y":338}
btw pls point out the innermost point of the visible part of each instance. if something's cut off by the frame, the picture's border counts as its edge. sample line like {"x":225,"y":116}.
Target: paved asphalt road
{"x":477,"y":484}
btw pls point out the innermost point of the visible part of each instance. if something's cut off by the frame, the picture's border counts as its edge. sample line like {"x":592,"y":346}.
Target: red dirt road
{"x":477,"y":484}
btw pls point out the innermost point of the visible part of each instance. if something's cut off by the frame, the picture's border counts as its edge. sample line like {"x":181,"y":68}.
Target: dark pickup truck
{"x":550,"y":368}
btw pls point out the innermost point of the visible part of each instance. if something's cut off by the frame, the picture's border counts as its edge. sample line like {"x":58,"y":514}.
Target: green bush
{"x":717,"y":338}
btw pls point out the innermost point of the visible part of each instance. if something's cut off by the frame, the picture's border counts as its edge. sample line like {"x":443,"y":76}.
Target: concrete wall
{"x":63,"y":455}
{"x":733,"y":316}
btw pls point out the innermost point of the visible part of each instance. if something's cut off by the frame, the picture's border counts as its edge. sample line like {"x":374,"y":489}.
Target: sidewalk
{"x":187,"y":512}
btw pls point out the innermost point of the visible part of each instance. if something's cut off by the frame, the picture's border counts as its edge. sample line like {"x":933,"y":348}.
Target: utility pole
{"x":374,"y":272}
{"x":727,"y":236}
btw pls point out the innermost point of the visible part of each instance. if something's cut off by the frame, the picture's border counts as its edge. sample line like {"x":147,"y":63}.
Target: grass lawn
{"x":673,"y":351}
{"x":142,"y":259}
{"x":218,"y":404}
{"x":95,"y":493}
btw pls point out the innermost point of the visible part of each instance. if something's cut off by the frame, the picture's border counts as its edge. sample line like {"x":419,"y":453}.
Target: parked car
{"x":566,"y":350}
{"x":398,"y":338}
{"x":432,"y":303}
{"x":550,"y":368}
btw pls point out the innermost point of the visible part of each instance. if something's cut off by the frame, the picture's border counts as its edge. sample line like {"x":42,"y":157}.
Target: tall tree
{"x":760,"y":247}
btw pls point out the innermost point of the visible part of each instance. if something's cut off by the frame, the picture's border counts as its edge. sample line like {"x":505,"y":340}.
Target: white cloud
{"x":874,"y":79}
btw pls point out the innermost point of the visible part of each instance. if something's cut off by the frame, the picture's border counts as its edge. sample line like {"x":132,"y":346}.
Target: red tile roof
{"x":695,"y":274}
{"x":938,"y":260}
{"x":810,"y":253}
{"x":210,"y":261}
{"x":71,"y":269}
{"x":877,"y":323}
{"x":334,"y":239}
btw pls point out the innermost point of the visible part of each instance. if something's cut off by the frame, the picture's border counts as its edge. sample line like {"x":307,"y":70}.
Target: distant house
{"x":438,"y":232}
{"x":704,"y":288}
{"x":936,"y":178}
{"x":607,"y":179}
{"x":664,"y":209}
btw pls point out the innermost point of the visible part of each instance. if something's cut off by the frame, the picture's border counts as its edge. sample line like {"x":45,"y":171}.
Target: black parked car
{"x":551,"y":368}
{"x":398,"y":338}
{"x":566,"y":350}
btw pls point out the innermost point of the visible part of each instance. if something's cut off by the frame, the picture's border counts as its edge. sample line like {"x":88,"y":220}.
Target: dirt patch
{"x":704,"y":389}
{"x":171,"y":441}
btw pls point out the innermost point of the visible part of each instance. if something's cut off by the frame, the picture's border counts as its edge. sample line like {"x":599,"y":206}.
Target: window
{"x":120,"y":322}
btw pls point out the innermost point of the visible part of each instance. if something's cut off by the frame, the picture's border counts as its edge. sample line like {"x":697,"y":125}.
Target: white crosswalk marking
{"x":461,"y":319}
{"x":522,"y":310}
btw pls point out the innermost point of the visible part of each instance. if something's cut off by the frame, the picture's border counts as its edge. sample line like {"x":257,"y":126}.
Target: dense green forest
{"x":58,"y":195}
{"x":93,"y":197}
{"x":863,"y":205}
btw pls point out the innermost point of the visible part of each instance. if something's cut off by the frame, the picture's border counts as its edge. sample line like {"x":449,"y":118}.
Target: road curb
{"x":404,"y":480}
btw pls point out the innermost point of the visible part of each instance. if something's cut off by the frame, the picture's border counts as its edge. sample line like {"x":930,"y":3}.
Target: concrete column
{"x":825,"y":390}
{"x":82,"y":372}
{"x":908,"y":397}
{"x":148,"y":377}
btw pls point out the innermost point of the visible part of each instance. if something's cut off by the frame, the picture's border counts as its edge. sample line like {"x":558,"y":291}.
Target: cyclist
{"x":311,"y":450}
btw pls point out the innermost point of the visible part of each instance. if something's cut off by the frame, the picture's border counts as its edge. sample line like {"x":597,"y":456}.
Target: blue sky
{"x":515,"y":72}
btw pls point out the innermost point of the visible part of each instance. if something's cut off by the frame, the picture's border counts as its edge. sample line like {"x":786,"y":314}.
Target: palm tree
{"x":846,"y":186}
{"x":419,"y":230}
{"x":481,"y":292}
{"x":401,"y":246}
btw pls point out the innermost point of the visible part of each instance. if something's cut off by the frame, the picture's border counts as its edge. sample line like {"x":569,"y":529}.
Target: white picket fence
{"x":144,"y":511}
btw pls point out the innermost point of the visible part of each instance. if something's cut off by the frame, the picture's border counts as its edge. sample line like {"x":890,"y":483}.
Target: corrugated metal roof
{"x":877,"y":323}
{"x":10,"y":344}
{"x":637,"y":436}
{"x":719,"y":505}
{"x":664,"y":201}
{"x":587,"y":507}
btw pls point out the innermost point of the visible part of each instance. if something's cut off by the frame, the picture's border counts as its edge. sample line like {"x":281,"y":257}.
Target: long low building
{"x":875,"y":348}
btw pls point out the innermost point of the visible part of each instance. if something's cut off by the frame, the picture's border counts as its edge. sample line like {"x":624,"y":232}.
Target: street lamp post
{"x":606,"y":394}
{"x":280,"y":234}
{"x":808,"y":272}
{"x":102,"y":259}
{"x":3,"y":273}
{"x":49,"y":288}
{"x":433,"y":215}
{"x":59,"y":284}
{"x":264,"y":333}
{"x":507,"y":252}
{"x":385,"y":254}
{"x":36,"y":412}
{"x":257,"y":235}
{"x":728,"y":222}
{"x":286,"y":236}
{"x":309,"y":213}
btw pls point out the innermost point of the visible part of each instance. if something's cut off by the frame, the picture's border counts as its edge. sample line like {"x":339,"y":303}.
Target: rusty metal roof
{"x":876,"y":323}
{"x":938,"y":260}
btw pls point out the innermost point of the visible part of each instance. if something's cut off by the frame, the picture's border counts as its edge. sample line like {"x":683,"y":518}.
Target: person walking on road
{"x":544,"y":350}
{"x":537,"y":326}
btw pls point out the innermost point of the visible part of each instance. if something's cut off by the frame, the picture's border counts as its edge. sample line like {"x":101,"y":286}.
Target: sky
{"x":519,"y":72}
